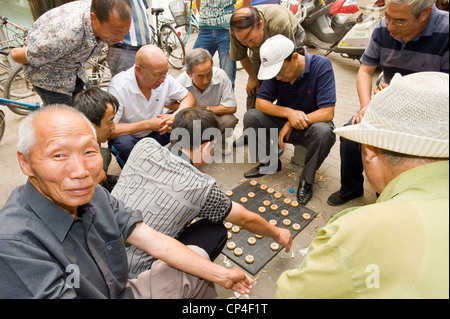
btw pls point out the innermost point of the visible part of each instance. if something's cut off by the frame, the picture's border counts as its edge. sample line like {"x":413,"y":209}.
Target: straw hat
{"x":411,"y":116}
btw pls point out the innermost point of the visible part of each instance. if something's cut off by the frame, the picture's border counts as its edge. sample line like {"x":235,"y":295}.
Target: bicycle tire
{"x":2,"y":124}
{"x":17,"y":87}
{"x":172,"y":46}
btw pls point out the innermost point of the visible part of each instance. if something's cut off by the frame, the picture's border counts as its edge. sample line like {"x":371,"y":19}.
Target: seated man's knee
{"x":252,"y":118}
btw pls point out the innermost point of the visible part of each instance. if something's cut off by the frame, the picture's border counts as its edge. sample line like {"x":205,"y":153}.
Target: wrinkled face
{"x":152,"y":75}
{"x":202,"y":75}
{"x":106,"y":125}
{"x":65,"y":162}
{"x":251,"y":37}
{"x":401,"y":21}
{"x":110,"y":32}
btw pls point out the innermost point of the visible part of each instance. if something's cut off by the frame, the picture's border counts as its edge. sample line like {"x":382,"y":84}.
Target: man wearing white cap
{"x":399,"y":246}
{"x":304,"y":87}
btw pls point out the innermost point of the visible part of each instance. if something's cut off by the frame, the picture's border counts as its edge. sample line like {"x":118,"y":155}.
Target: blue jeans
{"x":215,"y":40}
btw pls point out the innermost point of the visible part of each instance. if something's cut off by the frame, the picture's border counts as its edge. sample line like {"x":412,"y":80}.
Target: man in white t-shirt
{"x":211,"y":87}
{"x":142,"y":92}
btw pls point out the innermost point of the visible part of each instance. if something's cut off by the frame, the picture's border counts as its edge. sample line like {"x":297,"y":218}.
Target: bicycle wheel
{"x":172,"y":46}
{"x":17,"y":87}
{"x":2,"y":124}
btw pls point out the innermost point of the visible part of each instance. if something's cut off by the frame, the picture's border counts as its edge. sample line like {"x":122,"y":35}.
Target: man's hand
{"x":166,"y":121}
{"x":252,"y":86}
{"x":284,"y":134}
{"x":284,"y":238}
{"x":298,"y":120}
{"x":238,"y":281}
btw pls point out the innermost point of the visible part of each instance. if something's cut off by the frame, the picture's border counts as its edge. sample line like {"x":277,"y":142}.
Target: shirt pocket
{"x":117,"y":259}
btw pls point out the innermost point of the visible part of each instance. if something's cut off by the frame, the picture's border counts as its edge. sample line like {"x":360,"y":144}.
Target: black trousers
{"x":207,"y":235}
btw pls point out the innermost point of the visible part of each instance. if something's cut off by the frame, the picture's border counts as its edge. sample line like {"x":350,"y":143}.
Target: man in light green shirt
{"x":399,"y":246}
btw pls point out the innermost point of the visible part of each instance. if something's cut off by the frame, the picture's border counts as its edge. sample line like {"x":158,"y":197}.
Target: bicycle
{"x":166,"y":37}
{"x":185,"y":17}
{"x":11,"y":104}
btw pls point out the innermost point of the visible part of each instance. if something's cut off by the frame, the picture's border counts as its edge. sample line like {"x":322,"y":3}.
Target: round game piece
{"x":263,"y":187}
{"x":244,"y":200}
{"x":306,"y":216}
{"x":277,"y":195}
{"x":274,"y":207}
{"x":258,"y":236}
{"x":235,"y":229}
{"x":262,"y":209}
{"x":231,"y":245}
{"x":238,"y":251}
{"x":270,"y":190}
{"x":273,"y":222}
{"x":251,"y":240}
{"x":228,"y":225}
{"x":287,"y":200}
{"x":229,"y":193}
{"x":266,"y":202}
{"x":249,"y":259}
{"x":286,"y":222}
{"x":274,"y":246}
{"x":294,"y":203}
{"x":253,"y":183}
{"x":296,"y":226}
{"x":229,"y":235}
{"x":251,"y":194}
{"x":284,"y":212}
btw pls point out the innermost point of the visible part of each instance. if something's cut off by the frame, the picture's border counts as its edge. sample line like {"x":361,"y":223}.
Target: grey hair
{"x":27,"y":132}
{"x":418,"y":5}
{"x":196,"y":57}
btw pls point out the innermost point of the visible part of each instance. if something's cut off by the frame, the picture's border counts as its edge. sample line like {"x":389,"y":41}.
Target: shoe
{"x":256,"y":171}
{"x":335,"y":199}
{"x":304,"y":193}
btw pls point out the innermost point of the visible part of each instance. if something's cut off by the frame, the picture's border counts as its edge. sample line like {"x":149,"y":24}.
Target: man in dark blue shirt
{"x":304,"y":87}
{"x":412,"y":37}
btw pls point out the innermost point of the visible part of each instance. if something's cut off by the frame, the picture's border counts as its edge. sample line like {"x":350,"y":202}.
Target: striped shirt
{"x":428,"y":51}
{"x":140,"y":32}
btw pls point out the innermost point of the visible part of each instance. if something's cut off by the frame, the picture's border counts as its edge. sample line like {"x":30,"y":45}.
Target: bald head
{"x":150,"y":55}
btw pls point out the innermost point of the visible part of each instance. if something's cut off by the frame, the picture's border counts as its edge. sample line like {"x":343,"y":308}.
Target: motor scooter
{"x":344,"y":6}
{"x":356,"y":40}
{"x":322,"y":30}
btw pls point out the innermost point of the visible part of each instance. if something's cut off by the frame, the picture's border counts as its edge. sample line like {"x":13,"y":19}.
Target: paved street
{"x":228,"y":175}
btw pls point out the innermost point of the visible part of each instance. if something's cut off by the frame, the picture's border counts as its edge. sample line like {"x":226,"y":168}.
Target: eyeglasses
{"x":156,"y":77}
{"x":397,"y":23}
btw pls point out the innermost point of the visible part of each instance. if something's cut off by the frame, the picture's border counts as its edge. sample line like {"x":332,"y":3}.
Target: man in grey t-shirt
{"x":169,"y":190}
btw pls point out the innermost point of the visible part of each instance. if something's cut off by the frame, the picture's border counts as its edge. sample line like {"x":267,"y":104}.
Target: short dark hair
{"x":240,"y":22}
{"x":93,"y":103}
{"x":185,"y":120}
{"x":103,"y":9}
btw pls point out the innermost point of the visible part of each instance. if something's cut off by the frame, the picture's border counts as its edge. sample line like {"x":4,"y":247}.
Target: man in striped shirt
{"x":122,"y":55}
{"x":412,"y":37}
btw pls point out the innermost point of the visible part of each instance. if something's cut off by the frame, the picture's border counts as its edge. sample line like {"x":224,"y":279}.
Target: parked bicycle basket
{"x":179,"y":13}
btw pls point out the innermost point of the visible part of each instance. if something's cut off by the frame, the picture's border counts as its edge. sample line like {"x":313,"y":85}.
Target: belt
{"x":126,"y":47}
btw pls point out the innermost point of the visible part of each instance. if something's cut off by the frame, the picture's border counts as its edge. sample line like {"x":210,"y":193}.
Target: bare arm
{"x":19,"y":55}
{"x":153,"y":124}
{"x":179,"y":256}
{"x":364,"y":88}
{"x":220,"y":109}
{"x":253,"y":82}
{"x":258,"y":225}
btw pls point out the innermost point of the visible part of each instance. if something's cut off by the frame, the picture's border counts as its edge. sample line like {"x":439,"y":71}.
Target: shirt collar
{"x":56,"y":219}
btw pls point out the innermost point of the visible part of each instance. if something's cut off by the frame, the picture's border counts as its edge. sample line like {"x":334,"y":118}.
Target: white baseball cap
{"x":273,"y":52}
{"x":410,"y":116}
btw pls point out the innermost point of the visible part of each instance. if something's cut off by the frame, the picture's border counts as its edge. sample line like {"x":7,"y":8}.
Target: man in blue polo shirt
{"x":412,"y":37}
{"x":304,"y":87}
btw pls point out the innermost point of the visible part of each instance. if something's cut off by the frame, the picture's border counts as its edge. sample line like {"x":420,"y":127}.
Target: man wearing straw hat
{"x":399,"y":246}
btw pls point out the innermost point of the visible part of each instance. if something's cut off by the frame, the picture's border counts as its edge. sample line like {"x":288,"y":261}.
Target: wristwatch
{"x":207,"y":108}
